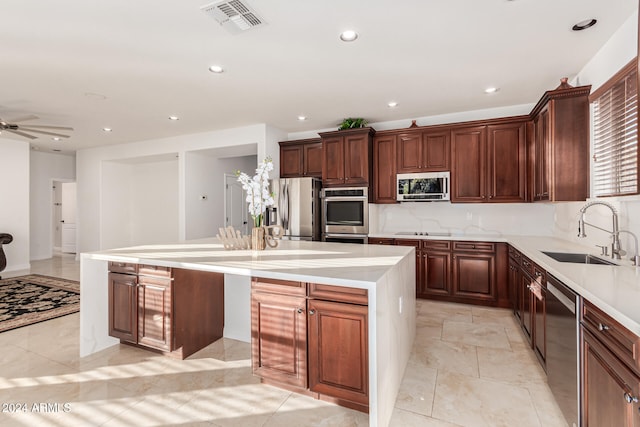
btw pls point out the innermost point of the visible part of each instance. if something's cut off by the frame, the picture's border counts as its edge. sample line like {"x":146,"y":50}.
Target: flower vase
{"x":257,"y":238}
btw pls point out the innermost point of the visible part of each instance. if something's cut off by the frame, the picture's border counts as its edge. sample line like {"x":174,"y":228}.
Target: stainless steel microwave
{"x":423,"y":187}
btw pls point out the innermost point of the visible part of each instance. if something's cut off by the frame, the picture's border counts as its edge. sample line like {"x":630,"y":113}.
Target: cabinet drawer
{"x":515,"y":254}
{"x":474,"y":246}
{"x":123,"y":267}
{"x":527,"y":265}
{"x":381,"y":241}
{"x":154,"y":271}
{"x":622,"y":342}
{"x":408,"y":242}
{"x":439,"y":245}
{"x":338,"y":294}
{"x":274,"y":286}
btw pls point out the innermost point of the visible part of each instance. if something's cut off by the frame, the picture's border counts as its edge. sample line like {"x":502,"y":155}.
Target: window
{"x":615,"y":125}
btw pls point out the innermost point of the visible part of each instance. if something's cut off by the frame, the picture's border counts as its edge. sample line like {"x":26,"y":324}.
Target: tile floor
{"x":469,"y":367}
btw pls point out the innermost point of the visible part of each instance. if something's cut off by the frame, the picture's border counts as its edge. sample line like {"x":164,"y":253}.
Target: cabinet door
{"x":524,"y":305}
{"x":474,"y":276}
{"x":279,"y":338}
{"x":539,"y":311}
{"x":409,"y":153}
{"x":312,"y":160}
{"x":356,"y":159}
{"x":291,"y":161}
{"x":338,"y":350}
{"x":542,"y":141}
{"x":514,"y":287}
{"x":436,"y":268}
{"x":155,"y":328}
{"x":435,"y":151}
{"x":332,"y":161}
{"x":469,"y":170}
{"x":123,"y":306}
{"x":610,"y":389}
{"x":506,"y":159}
{"x":384,"y":169}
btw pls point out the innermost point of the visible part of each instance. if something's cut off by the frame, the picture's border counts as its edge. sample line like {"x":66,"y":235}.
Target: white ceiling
{"x":150,"y":59}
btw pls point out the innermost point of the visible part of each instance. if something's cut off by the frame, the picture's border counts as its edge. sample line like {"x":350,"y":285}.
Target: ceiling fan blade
{"x":44,"y":133}
{"x":24,"y":118}
{"x":17,"y":132}
{"x":46,"y":127}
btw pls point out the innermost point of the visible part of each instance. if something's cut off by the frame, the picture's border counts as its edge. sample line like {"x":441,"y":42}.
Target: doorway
{"x":63,"y":217}
{"x":235,"y":205}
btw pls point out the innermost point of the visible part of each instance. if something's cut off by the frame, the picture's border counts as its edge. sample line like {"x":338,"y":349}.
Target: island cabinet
{"x":384,"y":169}
{"x":610,"y":371}
{"x":489,"y":162}
{"x":346,"y":157}
{"x":423,"y":151}
{"x":301,"y":158}
{"x":559,"y":152}
{"x":155,"y":307}
{"x":312,"y":339}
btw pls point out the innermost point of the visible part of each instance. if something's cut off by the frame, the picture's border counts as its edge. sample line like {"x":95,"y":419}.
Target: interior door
{"x":236,"y":206}
{"x":68,"y":217}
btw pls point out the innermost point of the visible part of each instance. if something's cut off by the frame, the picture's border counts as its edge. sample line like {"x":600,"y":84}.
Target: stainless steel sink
{"x":577,"y":258}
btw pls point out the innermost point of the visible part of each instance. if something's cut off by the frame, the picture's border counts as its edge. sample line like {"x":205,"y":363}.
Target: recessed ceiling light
{"x":216,"y":69}
{"x":56,"y":138}
{"x":348,"y":36}
{"x":56,"y":150}
{"x":302,"y":118}
{"x":491,"y":90}
{"x":583,"y":25}
{"x":174,"y":118}
{"x":107,"y":129}
{"x":392,"y":104}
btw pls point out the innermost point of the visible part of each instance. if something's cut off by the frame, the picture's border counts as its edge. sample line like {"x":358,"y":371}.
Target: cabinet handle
{"x":602,"y":327}
{"x":300,"y":311}
{"x":491,"y":197}
{"x":312,"y":312}
{"x":538,"y":274}
{"x":630,"y":399}
{"x":526,"y":264}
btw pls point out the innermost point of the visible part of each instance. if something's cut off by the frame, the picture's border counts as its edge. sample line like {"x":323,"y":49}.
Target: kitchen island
{"x":387,"y":273}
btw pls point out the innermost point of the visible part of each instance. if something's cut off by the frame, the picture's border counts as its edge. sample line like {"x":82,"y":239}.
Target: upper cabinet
{"x":346,"y":157}
{"x":301,"y":158}
{"x":489,"y":162}
{"x":423,"y":151}
{"x":384,"y":168}
{"x":559,"y":154}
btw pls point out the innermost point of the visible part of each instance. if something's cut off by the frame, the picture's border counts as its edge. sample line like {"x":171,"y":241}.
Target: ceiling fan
{"x":26,"y":130}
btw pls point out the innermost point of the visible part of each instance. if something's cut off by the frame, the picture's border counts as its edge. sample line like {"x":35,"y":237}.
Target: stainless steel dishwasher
{"x":563,"y":347}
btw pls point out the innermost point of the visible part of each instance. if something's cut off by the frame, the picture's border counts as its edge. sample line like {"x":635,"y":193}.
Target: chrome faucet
{"x":636,"y":257}
{"x":616,"y":252}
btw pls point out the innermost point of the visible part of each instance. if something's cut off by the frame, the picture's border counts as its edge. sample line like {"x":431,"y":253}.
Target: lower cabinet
{"x":175,"y":311}
{"x":312,"y":339}
{"x":610,"y":371}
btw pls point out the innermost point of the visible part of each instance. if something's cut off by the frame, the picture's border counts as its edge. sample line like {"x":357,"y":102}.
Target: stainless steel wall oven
{"x":345,"y":211}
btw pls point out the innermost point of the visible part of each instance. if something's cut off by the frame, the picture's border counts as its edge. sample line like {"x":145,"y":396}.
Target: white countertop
{"x":614,"y":289}
{"x":320,"y":262}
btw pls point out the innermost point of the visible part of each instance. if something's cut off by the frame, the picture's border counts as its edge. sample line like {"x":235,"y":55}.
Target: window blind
{"x":615,"y":150}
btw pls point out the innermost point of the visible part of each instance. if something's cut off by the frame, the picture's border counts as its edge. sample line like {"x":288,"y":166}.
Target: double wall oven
{"x":345,"y":214}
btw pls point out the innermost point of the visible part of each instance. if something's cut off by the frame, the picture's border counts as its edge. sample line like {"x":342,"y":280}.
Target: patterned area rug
{"x":26,"y":300}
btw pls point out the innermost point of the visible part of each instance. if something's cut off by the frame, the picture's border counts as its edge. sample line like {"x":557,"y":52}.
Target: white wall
{"x":92,"y":226}
{"x":615,"y":54}
{"x":14,"y":196}
{"x":116,"y":196}
{"x":205,"y":177}
{"x":44,"y":169}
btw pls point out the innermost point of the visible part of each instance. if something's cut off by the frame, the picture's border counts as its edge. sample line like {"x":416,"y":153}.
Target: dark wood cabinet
{"x":610,"y":389}
{"x":560,"y":162}
{"x":338,"y":351}
{"x":381,"y":241}
{"x":312,"y":338}
{"x":539,"y":322}
{"x":514,"y":280}
{"x":384,"y":169}
{"x":532,"y":309}
{"x":301,"y":158}
{"x":489,"y":163}
{"x":175,"y":311}
{"x":474,"y":271}
{"x":279,"y":333}
{"x":346,"y":157}
{"x":436,"y":273}
{"x":469,"y":164}
{"x":423,"y":151}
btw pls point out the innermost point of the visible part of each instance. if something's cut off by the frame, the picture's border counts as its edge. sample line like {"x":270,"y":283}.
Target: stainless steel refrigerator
{"x":297,"y":207}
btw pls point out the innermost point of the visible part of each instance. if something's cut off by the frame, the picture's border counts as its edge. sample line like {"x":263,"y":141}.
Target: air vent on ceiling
{"x":235,"y":16}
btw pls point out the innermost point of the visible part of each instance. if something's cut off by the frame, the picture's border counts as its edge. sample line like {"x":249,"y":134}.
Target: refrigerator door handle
{"x":283,"y":203}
